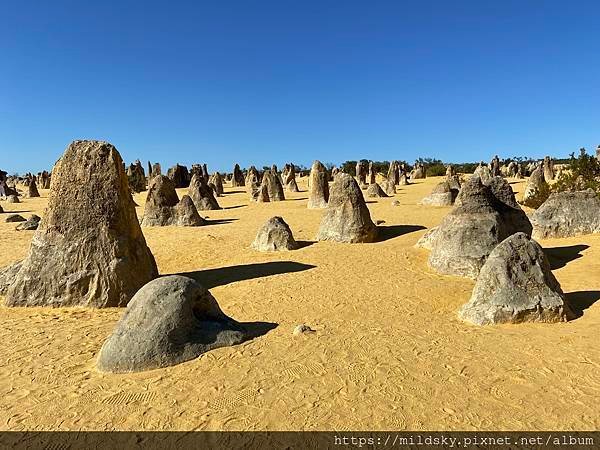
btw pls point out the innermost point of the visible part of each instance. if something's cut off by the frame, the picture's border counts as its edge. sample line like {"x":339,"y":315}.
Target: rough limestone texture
{"x":169,"y":321}
{"x":272,"y":185}
{"x":347,"y":218}
{"x":89,"y":250}
{"x":483,"y":172}
{"x":567,"y":214}
{"x":8,"y":275}
{"x":318,"y":193}
{"x":163,"y":207}
{"x":516,"y":285}
{"x":374,"y":191}
{"x":217,"y":181}
{"x":441,"y":195}
{"x":30,"y":224}
{"x":389,"y":187}
{"x":202,"y":194}
{"x":467,"y":235}
{"x":274,"y":235}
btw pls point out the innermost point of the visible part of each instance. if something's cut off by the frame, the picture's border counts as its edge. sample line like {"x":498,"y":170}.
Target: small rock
{"x":30,"y":224}
{"x":396,"y":203}
{"x":302,"y":329}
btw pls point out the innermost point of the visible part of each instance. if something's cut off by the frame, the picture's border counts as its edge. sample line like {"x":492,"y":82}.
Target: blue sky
{"x":273,"y":81}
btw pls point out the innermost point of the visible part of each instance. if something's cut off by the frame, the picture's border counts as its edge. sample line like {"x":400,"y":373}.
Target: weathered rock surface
{"x":238,"y":177}
{"x":347,"y":218}
{"x":13,"y":198}
{"x":272,"y":185}
{"x":202,"y":194}
{"x":30,"y":224}
{"x":567,"y":214}
{"x":374,"y":191}
{"x":32,"y":190}
{"x":163,"y":207}
{"x":318,"y":193}
{"x":479,"y":221}
{"x":89,"y":250}
{"x":535,"y":183}
{"x":180,"y":176}
{"x":516,"y":285}
{"x":441,"y":195}
{"x":274,"y":235}
{"x":169,"y":321}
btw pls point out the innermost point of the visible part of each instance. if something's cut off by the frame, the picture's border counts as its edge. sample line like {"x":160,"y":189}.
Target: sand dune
{"x":389,"y":351}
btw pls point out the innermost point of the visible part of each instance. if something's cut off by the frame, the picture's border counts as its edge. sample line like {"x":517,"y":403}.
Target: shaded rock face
{"x":450,"y":172}
{"x":479,"y":221}
{"x":1,"y":210}
{"x":13,"y":198}
{"x":372,"y":176}
{"x":403,"y":179}
{"x":136,"y":177}
{"x":442,"y":195}
{"x":163,"y":207}
{"x":89,"y":250}
{"x":516,"y":285}
{"x":217,"y":181}
{"x":169,"y":321}
{"x":30,"y":224}
{"x":289,"y":178}
{"x":252,"y":181}
{"x":44,"y":180}
{"x":274,"y":235}
{"x":388,"y":187}
{"x":202,"y":194}
{"x":535,"y":183}
{"x":548,"y":167}
{"x":156,"y":171}
{"x":347,"y":218}
{"x":567,"y":214}
{"x":179,"y":175}
{"x":512,"y":169}
{"x":272,"y":186}
{"x":318,"y":194}
{"x":361,"y":173}
{"x":32,"y":189}
{"x":238,"y":177}
{"x":394,"y":173}
{"x":495,"y":166}
{"x":8,"y":275}
{"x":374,"y":191}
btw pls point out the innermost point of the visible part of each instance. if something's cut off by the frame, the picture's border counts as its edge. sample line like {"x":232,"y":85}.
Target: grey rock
{"x":169,"y":321}
{"x":163,"y":207}
{"x":347,"y":218}
{"x":274,"y":235}
{"x":201,"y":194}
{"x":8,"y":275}
{"x":13,"y":199}
{"x":441,"y":195}
{"x":30,"y":224}
{"x":478,"y":222}
{"x":302,"y":329}
{"x":516,"y":285}
{"x":374,"y":191}
{"x":89,"y":250}
{"x":318,"y":195}
{"x":535,"y":183}
{"x":272,"y":185}
{"x":567,"y":214}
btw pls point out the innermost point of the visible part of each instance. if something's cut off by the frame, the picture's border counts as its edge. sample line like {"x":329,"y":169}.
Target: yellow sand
{"x":389,"y":351}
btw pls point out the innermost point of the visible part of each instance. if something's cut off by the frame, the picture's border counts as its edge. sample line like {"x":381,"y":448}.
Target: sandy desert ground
{"x":389,"y":351}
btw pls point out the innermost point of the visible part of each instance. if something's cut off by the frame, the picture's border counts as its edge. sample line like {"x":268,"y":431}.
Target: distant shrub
{"x":581,"y":173}
{"x":540,"y":197}
{"x":435,"y":170}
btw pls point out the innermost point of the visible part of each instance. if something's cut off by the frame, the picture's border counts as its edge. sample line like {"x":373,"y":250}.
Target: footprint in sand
{"x":126,"y":398}
{"x":244,"y":397}
{"x":359,"y":374}
{"x":304,"y":370}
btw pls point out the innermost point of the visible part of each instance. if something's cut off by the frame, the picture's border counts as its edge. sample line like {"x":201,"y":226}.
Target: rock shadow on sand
{"x":582,"y":300}
{"x":394,"y":231}
{"x":560,"y":256}
{"x":220,"y":276}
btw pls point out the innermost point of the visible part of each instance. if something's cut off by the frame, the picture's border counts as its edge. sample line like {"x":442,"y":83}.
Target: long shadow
{"x":220,"y":276}
{"x":235,"y":207}
{"x":561,"y":256}
{"x":296,"y":199}
{"x":218,"y":221}
{"x":303,"y":244}
{"x":16,"y":212}
{"x":393,"y":231}
{"x":234,"y":192}
{"x":582,"y":300}
{"x":257,"y":329}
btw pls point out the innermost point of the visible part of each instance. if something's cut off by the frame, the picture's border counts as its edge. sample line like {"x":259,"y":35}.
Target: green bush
{"x":581,"y":173}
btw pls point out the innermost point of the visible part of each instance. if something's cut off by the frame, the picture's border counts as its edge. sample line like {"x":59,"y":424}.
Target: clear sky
{"x":262,"y":82}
